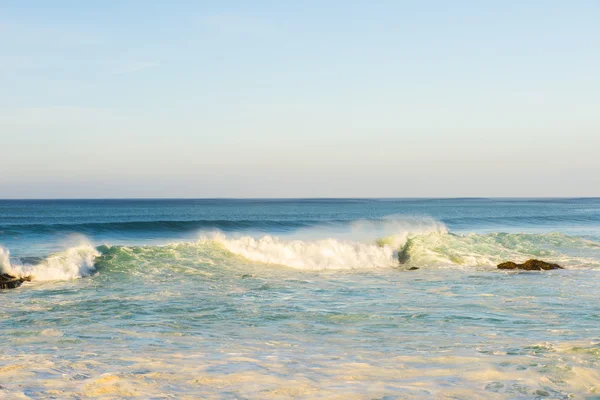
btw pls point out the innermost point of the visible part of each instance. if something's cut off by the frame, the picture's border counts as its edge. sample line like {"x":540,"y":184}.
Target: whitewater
{"x":436,"y":248}
{"x":300,"y":298}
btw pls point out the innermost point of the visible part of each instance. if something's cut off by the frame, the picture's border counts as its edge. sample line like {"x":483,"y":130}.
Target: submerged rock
{"x":10,"y":282}
{"x":530,"y":265}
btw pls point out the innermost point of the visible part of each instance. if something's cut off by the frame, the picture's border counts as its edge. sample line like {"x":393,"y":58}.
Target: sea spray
{"x":450,"y":249}
{"x":435,"y":248}
{"x":74,"y":262}
{"x":354,"y":245}
{"x":311,"y":255}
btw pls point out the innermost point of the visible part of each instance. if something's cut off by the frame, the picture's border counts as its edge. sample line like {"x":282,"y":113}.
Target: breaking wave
{"x":74,"y":262}
{"x":438,"y":247}
{"x":311,"y":255}
{"x":361,"y":245}
{"x":493,"y":248}
{"x":351,"y":247}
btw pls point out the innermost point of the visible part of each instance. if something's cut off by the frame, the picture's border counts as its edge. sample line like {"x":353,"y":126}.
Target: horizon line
{"x":304,"y":198}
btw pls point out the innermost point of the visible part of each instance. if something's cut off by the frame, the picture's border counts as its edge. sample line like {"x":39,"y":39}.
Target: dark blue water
{"x":26,"y":224}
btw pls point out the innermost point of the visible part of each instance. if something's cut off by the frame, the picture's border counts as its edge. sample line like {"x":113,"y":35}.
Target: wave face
{"x":311,"y":255}
{"x":354,"y":246}
{"x":494,"y":248}
{"x":302,"y":234}
{"x":435,"y":247}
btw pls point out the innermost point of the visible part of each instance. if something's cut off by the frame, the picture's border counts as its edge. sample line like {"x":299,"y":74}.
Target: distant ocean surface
{"x":277,"y":299}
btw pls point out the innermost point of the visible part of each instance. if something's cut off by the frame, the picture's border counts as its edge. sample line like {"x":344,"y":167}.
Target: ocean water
{"x":277,"y":299}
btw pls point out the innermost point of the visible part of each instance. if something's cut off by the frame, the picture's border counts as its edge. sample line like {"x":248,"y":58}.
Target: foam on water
{"x":355,"y":247}
{"x":74,"y":262}
{"x":169,"y":315}
{"x":436,"y":247}
{"x":364,"y":245}
{"x":439,"y":248}
{"x":312,"y":255}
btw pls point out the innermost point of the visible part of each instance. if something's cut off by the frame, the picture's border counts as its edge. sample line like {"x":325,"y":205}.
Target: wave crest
{"x":493,"y":248}
{"x":311,"y":255}
{"x":72,"y":263}
{"x":436,"y":248}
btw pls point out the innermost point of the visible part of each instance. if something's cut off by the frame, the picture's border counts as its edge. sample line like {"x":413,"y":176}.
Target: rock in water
{"x":10,"y":282}
{"x":530,"y":265}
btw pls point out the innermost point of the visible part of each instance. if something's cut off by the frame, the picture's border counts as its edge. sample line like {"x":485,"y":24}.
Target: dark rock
{"x":10,"y":282}
{"x":530,"y":265}
{"x":413,"y":268}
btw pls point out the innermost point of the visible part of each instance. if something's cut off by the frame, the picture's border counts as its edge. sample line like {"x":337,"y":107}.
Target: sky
{"x":114,"y":99}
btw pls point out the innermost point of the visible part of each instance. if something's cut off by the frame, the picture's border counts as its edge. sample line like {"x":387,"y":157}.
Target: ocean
{"x":300,"y":298}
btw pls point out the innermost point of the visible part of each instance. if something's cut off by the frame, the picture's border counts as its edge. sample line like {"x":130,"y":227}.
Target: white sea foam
{"x":355,"y":247}
{"x":395,"y":228}
{"x":437,"y":248}
{"x":74,"y":262}
{"x":424,"y":242}
{"x":311,"y":255}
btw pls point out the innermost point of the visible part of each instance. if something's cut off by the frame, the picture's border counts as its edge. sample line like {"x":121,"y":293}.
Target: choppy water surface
{"x":296,"y":298}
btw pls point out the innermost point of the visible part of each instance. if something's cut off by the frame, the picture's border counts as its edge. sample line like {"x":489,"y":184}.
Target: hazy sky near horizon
{"x":299,"y":99}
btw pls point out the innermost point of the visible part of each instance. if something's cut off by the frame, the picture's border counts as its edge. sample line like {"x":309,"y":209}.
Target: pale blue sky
{"x":299,"y":99}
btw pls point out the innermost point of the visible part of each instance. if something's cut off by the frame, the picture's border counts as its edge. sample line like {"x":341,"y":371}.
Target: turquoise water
{"x":300,"y":298}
